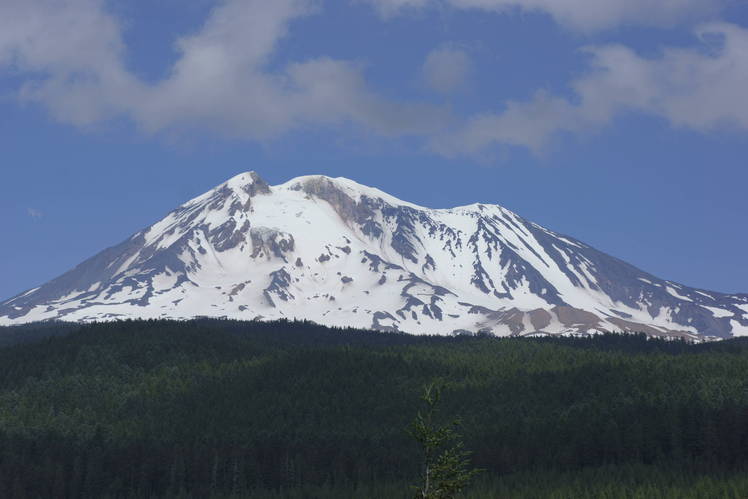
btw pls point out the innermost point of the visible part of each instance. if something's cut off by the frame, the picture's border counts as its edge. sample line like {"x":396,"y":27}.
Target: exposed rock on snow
{"x":340,"y":253}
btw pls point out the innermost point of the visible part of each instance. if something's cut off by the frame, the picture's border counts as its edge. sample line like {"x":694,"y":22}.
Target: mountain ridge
{"x":341,"y":253}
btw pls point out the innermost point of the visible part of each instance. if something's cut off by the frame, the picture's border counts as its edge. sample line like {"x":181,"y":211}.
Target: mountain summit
{"x":339,"y":253}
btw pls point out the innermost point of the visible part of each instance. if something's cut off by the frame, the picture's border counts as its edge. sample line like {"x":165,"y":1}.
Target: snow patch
{"x":719,"y":312}
{"x":675,"y":293}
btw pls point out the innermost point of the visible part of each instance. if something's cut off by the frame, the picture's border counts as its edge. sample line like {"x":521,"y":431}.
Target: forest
{"x":228,"y":409}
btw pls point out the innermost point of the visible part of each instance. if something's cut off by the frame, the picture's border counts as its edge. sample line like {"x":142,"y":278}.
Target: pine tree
{"x":446,"y":464}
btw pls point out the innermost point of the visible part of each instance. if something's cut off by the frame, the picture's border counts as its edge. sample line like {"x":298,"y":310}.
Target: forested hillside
{"x":219,"y":408}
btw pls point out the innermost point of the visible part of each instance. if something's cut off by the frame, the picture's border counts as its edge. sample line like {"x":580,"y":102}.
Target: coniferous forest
{"x":216,"y":408}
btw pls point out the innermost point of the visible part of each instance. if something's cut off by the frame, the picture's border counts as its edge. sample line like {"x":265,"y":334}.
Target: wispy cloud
{"x":34,"y":213}
{"x":701,"y":89}
{"x":579,"y":15}
{"x":71,"y":57}
{"x":446,"y":69}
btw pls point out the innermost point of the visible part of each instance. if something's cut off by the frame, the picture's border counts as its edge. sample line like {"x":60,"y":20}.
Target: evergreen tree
{"x":446,"y":464}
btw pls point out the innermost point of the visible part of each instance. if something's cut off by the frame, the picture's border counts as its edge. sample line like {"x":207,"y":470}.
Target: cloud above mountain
{"x":71,"y":57}
{"x":700,"y":89}
{"x":578,"y":15}
{"x":446,"y":69}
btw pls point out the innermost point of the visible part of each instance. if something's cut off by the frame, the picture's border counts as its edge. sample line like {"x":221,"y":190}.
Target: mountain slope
{"x":339,"y":253}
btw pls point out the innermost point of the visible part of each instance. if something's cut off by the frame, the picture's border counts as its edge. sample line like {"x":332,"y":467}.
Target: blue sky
{"x":623,"y":123}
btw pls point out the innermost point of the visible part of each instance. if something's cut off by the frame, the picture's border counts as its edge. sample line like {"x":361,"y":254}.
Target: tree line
{"x":211,"y":408}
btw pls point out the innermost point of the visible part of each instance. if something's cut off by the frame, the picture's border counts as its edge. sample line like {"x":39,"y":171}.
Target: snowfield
{"x":339,"y":253}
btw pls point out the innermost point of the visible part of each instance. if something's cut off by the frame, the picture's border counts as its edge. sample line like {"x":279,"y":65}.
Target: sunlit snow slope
{"x":339,"y":253}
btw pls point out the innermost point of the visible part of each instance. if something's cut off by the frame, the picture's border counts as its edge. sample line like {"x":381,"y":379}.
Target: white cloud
{"x":446,"y":69}
{"x":72,"y":56}
{"x":700,"y":88}
{"x":71,"y":52}
{"x":583,"y":15}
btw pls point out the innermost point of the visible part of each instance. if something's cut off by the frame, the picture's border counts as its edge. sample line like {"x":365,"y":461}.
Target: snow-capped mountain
{"x":340,"y":253}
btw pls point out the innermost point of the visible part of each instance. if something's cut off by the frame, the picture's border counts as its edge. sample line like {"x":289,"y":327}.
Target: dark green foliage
{"x":446,"y":464}
{"x":214,"y":408}
{"x":27,"y":333}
